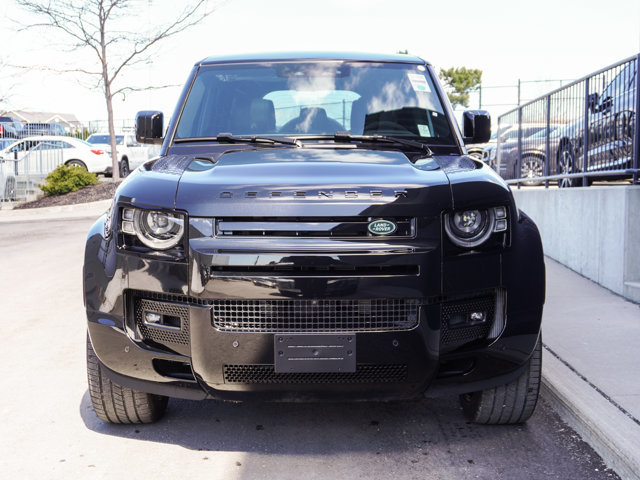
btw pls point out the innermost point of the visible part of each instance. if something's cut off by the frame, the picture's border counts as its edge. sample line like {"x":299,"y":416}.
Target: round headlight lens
{"x":469,"y":228}
{"x":159,"y":230}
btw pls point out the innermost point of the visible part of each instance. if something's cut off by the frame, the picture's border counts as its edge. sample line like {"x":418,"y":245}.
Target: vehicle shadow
{"x":304,"y":428}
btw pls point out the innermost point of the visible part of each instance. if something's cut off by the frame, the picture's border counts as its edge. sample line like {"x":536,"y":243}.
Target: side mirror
{"x":149,"y":127}
{"x":476,"y":126}
{"x":593,"y":100}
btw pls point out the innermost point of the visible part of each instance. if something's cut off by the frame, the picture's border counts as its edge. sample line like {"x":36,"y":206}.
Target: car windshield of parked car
{"x":93,"y":139}
{"x":315,"y":98}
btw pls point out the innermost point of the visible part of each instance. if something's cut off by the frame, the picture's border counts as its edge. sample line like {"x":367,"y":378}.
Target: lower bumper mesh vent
{"x":269,"y":316}
{"x":455,"y":332}
{"x":265,"y":374}
{"x":158,"y":334}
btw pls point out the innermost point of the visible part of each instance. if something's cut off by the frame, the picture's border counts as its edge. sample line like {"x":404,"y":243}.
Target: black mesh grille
{"x":268,"y":316}
{"x":458,"y":335}
{"x":159,"y":334}
{"x":265,"y":374}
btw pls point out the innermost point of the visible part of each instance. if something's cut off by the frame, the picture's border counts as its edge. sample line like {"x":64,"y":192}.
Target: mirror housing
{"x":149,"y":127}
{"x":476,"y":126}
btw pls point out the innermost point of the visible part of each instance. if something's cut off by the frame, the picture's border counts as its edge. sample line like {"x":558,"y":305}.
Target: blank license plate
{"x":303,"y":353}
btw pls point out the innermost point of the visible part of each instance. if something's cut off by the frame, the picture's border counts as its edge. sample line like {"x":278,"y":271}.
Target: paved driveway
{"x":49,"y":430}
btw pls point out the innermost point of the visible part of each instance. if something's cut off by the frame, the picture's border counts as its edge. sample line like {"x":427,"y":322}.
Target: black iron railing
{"x":583,"y":131}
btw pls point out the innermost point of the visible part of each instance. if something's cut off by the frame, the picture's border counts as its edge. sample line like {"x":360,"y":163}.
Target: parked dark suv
{"x":313,"y":229}
{"x":611,"y":117}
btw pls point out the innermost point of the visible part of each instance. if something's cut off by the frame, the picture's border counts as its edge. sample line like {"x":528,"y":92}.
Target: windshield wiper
{"x":348,"y":137}
{"x":229,"y":138}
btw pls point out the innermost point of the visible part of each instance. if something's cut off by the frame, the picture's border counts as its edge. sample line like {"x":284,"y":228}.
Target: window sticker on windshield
{"x":424,"y":130}
{"x":418,"y":82}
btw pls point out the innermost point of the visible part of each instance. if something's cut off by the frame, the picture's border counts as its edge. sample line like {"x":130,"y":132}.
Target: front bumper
{"x":208,"y":354}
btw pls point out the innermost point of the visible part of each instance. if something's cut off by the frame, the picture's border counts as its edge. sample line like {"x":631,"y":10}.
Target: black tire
{"x":76,"y":163}
{"x":114,"y":403}
{"x":507,"y":404}
{"x":530,"y":168}
{"x":624,"y":131}
{"x":124,"y":168}
{"x":567,"y":164}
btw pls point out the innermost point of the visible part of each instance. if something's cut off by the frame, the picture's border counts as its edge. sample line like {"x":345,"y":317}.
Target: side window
{"x":18,"y":148}
{"x":621,"y":83}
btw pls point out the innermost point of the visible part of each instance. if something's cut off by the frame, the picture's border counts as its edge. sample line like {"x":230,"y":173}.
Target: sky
{"x":554,"y":40}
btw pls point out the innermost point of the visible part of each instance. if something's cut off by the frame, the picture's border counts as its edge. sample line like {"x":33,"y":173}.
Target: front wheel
{"x":124,"y":168}
{"x":567,"y":165}
{"x":114,"y":403}
{"x":531,"y":168}
{"x":507,"y":404}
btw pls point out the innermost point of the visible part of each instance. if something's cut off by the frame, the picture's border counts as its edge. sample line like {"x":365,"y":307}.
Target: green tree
{"x":459,"y":81}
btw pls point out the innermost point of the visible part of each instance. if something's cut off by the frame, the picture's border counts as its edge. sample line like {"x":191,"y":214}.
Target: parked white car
{"x":42,"y":154}
{"x":131,"y":154}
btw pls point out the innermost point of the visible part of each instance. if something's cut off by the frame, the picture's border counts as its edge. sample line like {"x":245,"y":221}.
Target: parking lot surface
{"x":49,"y":430}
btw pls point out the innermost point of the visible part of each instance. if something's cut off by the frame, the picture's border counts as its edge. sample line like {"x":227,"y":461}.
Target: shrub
{"x":66,"y":179}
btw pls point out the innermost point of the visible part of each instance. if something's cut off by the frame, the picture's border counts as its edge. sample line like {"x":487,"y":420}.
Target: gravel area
{"x":92,"y":193}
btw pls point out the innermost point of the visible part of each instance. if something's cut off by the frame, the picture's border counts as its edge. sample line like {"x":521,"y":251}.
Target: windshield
{"x":104,"y":139}
{"x":315,"y":98}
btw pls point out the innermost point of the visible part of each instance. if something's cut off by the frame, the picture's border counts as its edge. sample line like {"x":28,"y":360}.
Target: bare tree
{"x":97,"y":26}
{"x":5,"y":84}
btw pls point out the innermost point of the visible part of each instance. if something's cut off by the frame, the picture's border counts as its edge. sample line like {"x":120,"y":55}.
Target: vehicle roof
{"x":292,"y":56}
{"x":51,"y":137}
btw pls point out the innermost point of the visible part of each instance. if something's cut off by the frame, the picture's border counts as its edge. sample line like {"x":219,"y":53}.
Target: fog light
{"x":477,"y":317}
{"x":152,"y":318}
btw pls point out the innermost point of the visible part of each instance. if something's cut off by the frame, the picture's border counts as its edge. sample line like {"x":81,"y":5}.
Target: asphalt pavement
{"x":591,"y":337}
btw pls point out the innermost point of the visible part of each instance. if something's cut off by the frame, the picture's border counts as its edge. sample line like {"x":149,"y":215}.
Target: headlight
{"x":154,"y":228}
{"x":470,"y":228}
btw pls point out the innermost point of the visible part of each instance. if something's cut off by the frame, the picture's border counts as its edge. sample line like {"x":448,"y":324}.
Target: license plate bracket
{"x":315,"y":353}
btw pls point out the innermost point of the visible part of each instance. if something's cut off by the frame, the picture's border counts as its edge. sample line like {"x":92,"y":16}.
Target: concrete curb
{"x":92,"y":209}
{"x":614,"y":435}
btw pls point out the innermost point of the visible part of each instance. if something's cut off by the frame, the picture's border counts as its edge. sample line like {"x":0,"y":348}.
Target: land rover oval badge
{"x":382,"y":227}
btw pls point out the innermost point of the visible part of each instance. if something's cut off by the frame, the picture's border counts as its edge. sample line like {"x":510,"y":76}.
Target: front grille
{"x":283,"y":270}
{"x":270,"y":316}
{"x":266,"y":374}
{"x":453,"y":336}
{"x":348,"y":227}
{"x":157,"y":333}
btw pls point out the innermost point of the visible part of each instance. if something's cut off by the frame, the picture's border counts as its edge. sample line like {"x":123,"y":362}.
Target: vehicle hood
{"x":290,"y":182}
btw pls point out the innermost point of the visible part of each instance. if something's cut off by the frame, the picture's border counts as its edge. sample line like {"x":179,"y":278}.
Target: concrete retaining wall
{"x":593,"y":230}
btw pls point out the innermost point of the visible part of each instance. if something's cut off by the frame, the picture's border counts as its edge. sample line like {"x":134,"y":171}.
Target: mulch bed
{"x":92,"y":193}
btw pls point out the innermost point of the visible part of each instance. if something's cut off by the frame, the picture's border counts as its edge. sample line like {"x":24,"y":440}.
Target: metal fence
{"x":22,"y":174}
{"x":583,"y":131}
{"x":26,"y":157}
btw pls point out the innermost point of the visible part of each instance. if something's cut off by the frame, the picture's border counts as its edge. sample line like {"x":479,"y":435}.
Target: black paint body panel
{"x":343,"y":186}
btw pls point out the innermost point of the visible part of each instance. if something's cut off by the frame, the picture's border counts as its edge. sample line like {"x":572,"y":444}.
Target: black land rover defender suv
{"x":313,"y":229}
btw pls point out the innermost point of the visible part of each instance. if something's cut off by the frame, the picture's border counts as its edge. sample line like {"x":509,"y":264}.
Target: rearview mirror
{"x":476,"y":126}
{"x":149,"y":127}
